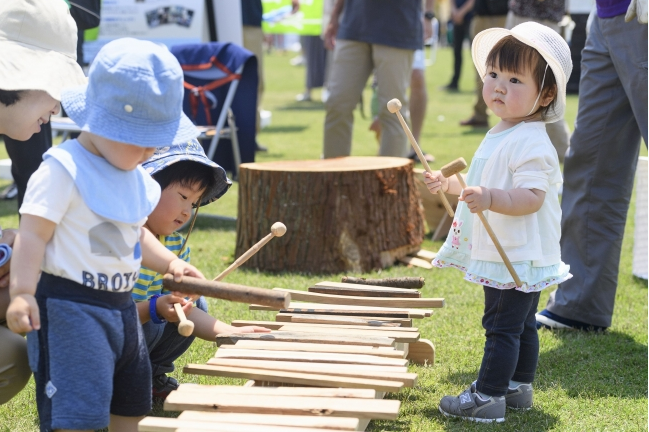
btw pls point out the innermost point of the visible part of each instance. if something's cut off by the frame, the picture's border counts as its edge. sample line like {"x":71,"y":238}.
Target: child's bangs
{"x":512,"y":55}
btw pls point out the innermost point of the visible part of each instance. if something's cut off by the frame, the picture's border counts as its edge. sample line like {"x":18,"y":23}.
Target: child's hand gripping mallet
{"x":454,"y":168}
{"x":185,"y":327}
{"x":278,"y":229}
{"x":394,"y":106}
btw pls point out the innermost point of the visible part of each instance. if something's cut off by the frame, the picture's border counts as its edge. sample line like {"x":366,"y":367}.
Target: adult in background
{"x":253,"y":39}
{"x":38,"y":41}
{"x":486,"y":14}
{"x":548,"y":13}
{"x":27,"y":155}
{"x":600,"y":165}
{"x":461,"y":16}
{"x":373,"y":35}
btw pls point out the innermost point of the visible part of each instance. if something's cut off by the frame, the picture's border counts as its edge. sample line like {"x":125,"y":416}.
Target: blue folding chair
{"x":221,"y":83}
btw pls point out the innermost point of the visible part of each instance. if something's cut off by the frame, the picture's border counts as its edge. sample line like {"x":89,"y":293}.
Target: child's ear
{"x":548,"y":95}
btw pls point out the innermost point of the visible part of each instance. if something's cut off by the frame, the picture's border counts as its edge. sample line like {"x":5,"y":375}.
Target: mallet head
{"x":186,"y":328}
{"x":452,"y":168}
{"x":278,"y":229}
{"x":394,"y":105}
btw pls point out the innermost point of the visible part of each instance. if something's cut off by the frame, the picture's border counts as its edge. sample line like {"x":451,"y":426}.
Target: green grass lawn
{"x":585,"y":382}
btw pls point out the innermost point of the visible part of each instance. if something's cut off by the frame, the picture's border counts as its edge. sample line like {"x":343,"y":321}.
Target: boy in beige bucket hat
{"x":38,"y":51}
{"x":514,"y":179}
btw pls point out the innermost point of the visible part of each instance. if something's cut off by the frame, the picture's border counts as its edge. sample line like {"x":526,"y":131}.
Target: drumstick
{"x":394,"y":106}
{"x":454,"y":168}
{"x":186,"y":327}
{"x":227,"y":291}
{"x":277,"y":230}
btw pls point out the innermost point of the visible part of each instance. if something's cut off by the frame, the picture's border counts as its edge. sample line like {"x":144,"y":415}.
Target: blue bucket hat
{"x":134,"y":95}
{"x":189,"y":151}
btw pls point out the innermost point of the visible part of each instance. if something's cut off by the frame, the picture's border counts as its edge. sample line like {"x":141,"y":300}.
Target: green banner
{"x":278,"y":18}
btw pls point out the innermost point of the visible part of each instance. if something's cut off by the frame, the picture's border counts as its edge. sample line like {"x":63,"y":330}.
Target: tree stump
{"x":351,"y":214}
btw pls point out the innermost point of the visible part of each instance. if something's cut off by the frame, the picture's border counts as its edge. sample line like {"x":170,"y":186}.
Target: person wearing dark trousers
{"x":461,"y":14}
{"x":26,"y":156}
{"x":600,"y":166}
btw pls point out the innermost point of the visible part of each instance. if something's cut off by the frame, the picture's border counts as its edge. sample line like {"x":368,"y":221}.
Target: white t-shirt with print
{"x":86,"y":248}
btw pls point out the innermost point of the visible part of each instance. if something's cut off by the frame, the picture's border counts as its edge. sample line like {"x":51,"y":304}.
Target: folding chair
{"x":221,"y":83}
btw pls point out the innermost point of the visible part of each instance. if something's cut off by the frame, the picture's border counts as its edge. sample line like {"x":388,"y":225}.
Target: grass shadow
{"x":475,"y":131}
{"x":303,"y":106}
{"x":601,"y":365}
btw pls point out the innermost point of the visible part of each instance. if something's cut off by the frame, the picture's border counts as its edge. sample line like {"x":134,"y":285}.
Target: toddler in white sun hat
{"x":514,"y":178}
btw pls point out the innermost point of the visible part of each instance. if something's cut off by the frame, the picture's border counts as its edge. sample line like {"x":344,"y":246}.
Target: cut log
{"x":342,"y":319}
{"x":344,"y":214}
{"x":347,"y":289}
{"x":402,"y":282}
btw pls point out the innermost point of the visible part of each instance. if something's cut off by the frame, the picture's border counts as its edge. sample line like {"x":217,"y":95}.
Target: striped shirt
{"x":149,"y":282}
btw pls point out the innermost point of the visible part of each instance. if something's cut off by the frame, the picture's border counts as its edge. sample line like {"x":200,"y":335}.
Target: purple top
{"x":611,"y":8}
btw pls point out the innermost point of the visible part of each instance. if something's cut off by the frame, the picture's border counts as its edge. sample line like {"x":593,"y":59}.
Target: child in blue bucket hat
{"x":81,"y":225}
{"x":188,"y":180}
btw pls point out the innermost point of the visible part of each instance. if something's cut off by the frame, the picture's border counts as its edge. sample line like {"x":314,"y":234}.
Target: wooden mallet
{"x":454,"y":168}
{"x":278,"y":229}
{"x":227,"y":291}
{"x":394,"y":106}
{"x":185,"y":327}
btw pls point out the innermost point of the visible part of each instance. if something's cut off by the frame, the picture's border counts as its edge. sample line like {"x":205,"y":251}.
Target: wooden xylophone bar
{"x":323,"y":366}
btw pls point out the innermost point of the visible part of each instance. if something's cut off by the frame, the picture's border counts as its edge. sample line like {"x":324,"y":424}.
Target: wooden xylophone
{"x":330,"y":358}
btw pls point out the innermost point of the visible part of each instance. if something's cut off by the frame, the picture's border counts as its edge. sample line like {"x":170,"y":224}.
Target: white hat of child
{"x":552,"y":47}
{"x":38,"y":42}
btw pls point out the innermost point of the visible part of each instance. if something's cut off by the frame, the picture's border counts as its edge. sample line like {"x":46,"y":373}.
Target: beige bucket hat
{"x":38,"y":46}
{"x":546,"y":41}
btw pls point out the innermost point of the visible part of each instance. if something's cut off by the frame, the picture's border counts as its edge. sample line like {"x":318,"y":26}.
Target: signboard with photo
{"x":170,"y":22}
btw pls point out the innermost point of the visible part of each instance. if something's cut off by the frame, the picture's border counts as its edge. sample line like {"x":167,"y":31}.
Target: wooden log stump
{"x":351,"y":214}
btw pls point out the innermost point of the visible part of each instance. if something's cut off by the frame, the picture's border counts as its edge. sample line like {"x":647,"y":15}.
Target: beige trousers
{"x":14,"y":367}
{"x":558,"y":131}
{"x":479,"y":24}
{"x":353,"y":63}
{"x":253,"y":39}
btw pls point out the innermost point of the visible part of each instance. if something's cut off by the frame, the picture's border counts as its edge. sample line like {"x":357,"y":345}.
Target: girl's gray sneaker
{"x":470,"y":406}
{"x":520,"y":397}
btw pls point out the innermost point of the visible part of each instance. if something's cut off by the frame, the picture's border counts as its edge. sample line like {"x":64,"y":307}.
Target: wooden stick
{"x":227,"y":291}
{"x":277,"y":230}
{"x":454,"y":168}
{"x":343,"y":319}
{"x":394,"y":106}
{"x":310,"y":356}
{"x":338,"y":288}
{"x":305,"y":337}
{"x":186,"y":327}
{"x":402,"y":282}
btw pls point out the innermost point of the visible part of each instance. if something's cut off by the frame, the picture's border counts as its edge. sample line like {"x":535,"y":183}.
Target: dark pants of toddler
{"x":165,"y":344}
{"x":511,"y":351}
{"x":89,"y":357}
